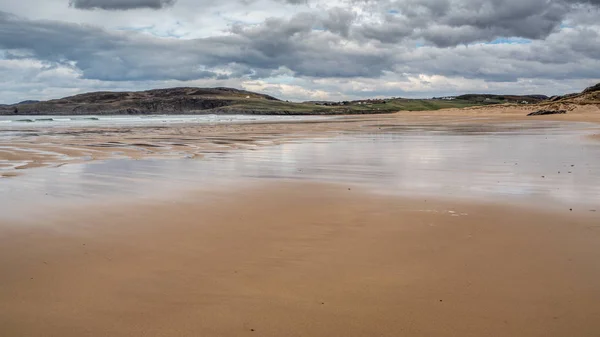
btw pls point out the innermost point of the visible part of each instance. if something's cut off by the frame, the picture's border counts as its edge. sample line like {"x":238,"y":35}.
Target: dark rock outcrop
{"x":547,"y":112}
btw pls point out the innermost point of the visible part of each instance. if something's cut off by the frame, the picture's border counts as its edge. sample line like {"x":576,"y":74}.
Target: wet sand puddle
{"x":547,"y":163}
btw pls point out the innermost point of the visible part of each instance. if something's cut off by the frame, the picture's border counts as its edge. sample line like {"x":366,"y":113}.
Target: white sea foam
{"x":145,"y":120}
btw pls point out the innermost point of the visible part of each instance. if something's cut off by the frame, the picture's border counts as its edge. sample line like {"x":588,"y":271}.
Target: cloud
{"x":120,"y":5}
{"x":339,"y":21}
{"x":294,"y":2}
{"x":259,"y":51}
{"x":349,"y":44}
{"x":248,"y":51}
{"x":452,"y":22}
{"x":593,"y":2}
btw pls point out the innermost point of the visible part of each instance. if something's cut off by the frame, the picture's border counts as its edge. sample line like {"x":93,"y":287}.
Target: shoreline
{"x":458,"y":159}
{"x":61,"y":146}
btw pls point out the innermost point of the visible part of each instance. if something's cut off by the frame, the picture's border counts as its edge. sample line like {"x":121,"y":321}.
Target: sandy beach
{"x":273,"y":261}
{"x":288,"y":168}
{"x":291,"y":257}
{"x":60,"y":146}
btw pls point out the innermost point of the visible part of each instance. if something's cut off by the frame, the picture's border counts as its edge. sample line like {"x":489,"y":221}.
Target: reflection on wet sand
{"x":547,"y":162}
{"x":22,"y":148}
{"x":370,"y":228}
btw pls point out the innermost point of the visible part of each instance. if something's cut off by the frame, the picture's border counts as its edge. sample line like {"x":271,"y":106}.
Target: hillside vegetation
{"x":189,"y":100}
{"x":216,"y":101}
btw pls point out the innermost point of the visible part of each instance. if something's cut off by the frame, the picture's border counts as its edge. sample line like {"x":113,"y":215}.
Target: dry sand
{"x":575,"y":112}
{"x":301,"y":260}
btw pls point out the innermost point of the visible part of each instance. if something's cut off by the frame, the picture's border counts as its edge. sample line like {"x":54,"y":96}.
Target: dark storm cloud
{"x":451,"y":22}
{"x":99,"y":54}
{"x":331,"y":44}
{"x":254,"y":51}
{"x":298,"y":46}
{"x":593,"y":2}
{"x":339,"y":21}
{"x":563,"y":56}
{"x":120,"y":4}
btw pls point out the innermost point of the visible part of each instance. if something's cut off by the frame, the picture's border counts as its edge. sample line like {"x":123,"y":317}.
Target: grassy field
{"x":388,"y":106}
{"x":419,"y":104}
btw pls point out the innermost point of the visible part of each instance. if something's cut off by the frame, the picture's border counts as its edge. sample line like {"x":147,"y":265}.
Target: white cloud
{"x":341,"y":49}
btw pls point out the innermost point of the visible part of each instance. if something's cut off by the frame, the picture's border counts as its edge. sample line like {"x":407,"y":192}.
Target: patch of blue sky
{"x":234,"y":21}
{"x":510,"y":40}
{"x":154,"y":31}
{"x":136,"y":29}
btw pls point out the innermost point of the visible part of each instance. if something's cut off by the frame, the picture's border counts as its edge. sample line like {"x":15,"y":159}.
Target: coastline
{"x":296,"y":168}
{"x":275,"y":257}
{"x":61,"y":146}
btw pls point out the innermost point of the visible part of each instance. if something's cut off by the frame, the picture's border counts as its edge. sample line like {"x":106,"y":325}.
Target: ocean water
{"x":19,"y":122}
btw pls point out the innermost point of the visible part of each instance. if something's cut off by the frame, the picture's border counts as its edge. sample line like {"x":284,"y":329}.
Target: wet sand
{"x":552,"y":164}
{"x":31,"y":148}
{"x":262,"y":255}
{"x":271,"y":260}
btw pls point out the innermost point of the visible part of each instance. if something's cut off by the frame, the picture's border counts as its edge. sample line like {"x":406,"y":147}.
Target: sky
{"x":299,"y":50}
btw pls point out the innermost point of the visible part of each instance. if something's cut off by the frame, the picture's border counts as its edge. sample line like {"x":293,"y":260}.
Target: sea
{"x":12,"y":122}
